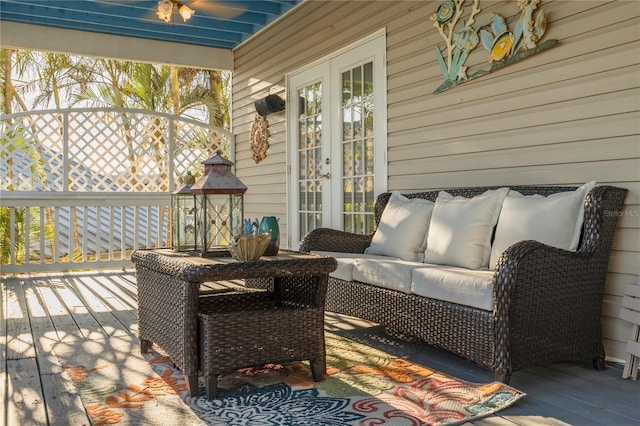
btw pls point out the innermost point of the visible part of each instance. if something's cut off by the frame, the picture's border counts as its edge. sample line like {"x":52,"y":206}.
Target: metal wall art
{"x":259,"y":136}
{"x":505,"y":46}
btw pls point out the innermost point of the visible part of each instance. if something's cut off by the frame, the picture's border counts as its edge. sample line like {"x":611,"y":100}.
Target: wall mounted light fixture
{"x":269,"y":105}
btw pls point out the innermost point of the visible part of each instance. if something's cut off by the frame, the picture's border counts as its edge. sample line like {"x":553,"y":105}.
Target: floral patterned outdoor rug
{"x":363,"y":386}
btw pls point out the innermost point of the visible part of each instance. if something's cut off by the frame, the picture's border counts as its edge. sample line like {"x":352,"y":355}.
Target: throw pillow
{"x":403,"y":227}
{"x":555,"y":220}
{"x":461,"y":229}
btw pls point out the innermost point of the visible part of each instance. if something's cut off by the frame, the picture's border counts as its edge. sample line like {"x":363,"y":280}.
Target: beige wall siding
{"x":308,"y":33}
{"x":565,"y":116}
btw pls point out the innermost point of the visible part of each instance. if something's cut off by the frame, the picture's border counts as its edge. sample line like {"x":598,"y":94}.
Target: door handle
{"x":326,"y":175}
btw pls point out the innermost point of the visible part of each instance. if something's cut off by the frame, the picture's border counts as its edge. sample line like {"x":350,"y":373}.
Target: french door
{"x":337,"y":140}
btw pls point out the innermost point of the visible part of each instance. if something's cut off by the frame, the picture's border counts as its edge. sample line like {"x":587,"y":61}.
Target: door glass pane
{"x":310,"y":158}
{"x":347,"y":196}
{"x":357,"y":149}
{"x":347,"y":125}
{"x":368,"y":156}
{"x":346,"y":88}
{"x":357,"y":83}
{"x":302,"y":197}
{"x":302,"y":160}
{"x":347,"y":159}
{"x":368,"y":79}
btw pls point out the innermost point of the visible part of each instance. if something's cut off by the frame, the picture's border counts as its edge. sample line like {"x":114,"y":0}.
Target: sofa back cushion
{"x":403,"y":228}
{"x":555,"y":220}
{"x":461,"y":229}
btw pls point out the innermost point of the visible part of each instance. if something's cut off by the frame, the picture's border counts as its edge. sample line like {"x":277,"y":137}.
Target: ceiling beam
{"x":36,"y":37}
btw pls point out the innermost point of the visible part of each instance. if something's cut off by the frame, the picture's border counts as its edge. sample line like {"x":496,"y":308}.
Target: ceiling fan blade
{"x":218,"y":9}
{"x":144,"y":10}
{"x":151,"y":15}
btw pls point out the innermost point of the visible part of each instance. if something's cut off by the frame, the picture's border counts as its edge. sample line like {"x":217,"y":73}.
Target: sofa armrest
{"x":327,"y":239}
{"x":546,"y":297}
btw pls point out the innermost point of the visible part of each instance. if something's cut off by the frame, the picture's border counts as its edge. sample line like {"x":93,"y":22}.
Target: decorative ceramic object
{"x":505,"y":46}
{"x":259,"y":137}
{"x":249,"y":247}
{"x":250,"y":228}
{"x":269,"y":224}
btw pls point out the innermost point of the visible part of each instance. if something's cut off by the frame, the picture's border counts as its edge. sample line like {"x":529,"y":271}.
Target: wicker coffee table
{"x":191,"y":327}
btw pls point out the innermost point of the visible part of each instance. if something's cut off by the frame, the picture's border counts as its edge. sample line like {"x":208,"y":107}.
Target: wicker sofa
{"x":545,"y":301}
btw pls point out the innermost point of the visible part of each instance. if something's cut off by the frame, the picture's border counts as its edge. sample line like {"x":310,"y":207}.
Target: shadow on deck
{"x":40,"y":311}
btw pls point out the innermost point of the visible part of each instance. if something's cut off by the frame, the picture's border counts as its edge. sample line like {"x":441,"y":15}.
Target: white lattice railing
{"x":82,"y":188}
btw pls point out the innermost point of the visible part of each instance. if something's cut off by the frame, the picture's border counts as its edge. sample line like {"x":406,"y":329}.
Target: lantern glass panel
{"x":183,"y":221}
{"x":219,"y":218}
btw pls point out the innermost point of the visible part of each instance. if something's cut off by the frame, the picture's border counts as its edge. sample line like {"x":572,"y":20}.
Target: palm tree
{"x":160,"y":88}
{"x":12,"y":96}
{"x":16,"y":138}
{"x":6,"y":61}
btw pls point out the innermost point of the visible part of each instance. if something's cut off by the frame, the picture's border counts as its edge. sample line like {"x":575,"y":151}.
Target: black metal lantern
{"x":183,"y":214}
{"x":218,"y":198}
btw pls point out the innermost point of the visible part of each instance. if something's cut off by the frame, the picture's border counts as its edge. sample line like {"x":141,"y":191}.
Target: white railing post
{"x":65,"y":148}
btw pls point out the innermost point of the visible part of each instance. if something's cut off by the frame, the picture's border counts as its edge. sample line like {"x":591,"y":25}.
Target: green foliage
{"x":19,"y":230}
{"x":61,"y":81}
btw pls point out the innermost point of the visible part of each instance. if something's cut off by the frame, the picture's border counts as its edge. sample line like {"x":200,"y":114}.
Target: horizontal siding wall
{"x":567,"y":115}
{"x":311,"y":31}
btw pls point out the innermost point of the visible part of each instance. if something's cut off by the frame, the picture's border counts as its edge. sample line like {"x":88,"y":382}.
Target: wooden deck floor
{"x":38,"y":311}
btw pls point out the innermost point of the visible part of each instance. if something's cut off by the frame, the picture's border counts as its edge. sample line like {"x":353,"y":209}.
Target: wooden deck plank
{"x":125,"y":286}
{"x":73,"y":307}
{"x":94,"y":307}
{"x":560,"y":401}
{"x":103,"y":288}
{"x":26,"y":402}
{"x":20,"y":339}
{"x":64,"y":406}
{"x":491,"y":421}
{"x":111,"y":289}
{"x":517,"y":421}
{"x":534,"y":421}
{"x":124,"y":290}
{"x":79,"y":313}
{"x":127,"y":278}
{"x":42,"y":328}
{"x":65,"y":327}
{"x":583,"y":382}
{"x":3,"y":352}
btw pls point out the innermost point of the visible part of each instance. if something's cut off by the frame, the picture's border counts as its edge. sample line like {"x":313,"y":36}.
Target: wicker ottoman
{"x":238,"y":330}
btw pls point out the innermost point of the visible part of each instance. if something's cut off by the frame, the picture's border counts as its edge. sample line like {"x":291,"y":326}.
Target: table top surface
{"x":190,"y":267}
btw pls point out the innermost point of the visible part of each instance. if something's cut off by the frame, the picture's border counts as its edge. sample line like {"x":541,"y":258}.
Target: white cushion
{"x":385,"y":272}
{"x":403,"y":227}
{"x":555,"y":220}
{"x":461,"y":229}
{"x":455,"y":285}
{"x":344,"y":271}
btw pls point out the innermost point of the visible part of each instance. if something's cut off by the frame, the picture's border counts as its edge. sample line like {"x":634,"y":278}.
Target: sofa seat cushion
{"x":346,"y":261}
{"x":393,"y":274}
{"x":456,"y":285}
